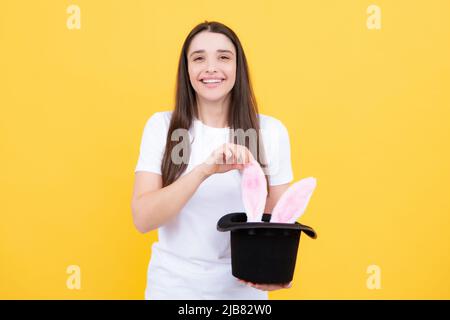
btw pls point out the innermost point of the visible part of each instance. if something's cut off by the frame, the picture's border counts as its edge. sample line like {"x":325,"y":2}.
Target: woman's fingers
{"x":232,"y":153}
{"x":229,"y":156}
{"x":271,"y":287}
{"x":223,"y":154}
{"x":250,"y":156}
{"x":267,"y":287}
{"x":242,"y":154}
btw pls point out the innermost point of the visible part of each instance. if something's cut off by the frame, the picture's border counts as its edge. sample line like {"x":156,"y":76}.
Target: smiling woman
{"x":212,"y":65}
{"x":185,"y":199}
{"x":214,"y":87}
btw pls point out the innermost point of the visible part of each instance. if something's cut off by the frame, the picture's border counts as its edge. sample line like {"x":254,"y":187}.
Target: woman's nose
{"x":211,"y":67}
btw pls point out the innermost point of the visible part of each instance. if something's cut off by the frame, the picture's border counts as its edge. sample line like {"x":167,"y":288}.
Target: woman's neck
{"x":213,"y":113}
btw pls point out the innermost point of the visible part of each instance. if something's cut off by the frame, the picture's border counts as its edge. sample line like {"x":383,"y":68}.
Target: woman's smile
{"x":212,"y":82}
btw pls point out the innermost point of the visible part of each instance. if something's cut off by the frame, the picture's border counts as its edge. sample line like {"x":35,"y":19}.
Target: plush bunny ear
{"x":293,"y":202}
{"x":254,"y":191}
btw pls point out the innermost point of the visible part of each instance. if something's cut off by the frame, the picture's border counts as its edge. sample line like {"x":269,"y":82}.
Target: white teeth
{"x":211,"y":80}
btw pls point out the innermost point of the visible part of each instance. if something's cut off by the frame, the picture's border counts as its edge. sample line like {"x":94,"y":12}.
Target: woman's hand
{"x":267,"y":287}
{"x":228,"y":156}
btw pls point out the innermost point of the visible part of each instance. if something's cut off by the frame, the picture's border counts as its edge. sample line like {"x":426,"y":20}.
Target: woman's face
{"x":212,"y":65}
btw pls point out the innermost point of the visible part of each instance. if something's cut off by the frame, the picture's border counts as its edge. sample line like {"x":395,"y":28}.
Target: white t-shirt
{"x":192,"y":260}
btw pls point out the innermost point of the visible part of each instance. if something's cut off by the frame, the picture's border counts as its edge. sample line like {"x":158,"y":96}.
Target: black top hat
{"x":263,"y":252}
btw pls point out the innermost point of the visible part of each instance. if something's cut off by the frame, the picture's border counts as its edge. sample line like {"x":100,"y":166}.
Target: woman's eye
{"x":221,"y":57}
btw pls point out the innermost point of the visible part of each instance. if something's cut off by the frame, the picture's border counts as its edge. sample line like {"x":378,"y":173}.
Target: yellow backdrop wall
{"x":367,"y":111}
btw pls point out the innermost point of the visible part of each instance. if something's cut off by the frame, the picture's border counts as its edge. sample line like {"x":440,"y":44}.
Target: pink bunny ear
{"x":254,"y":191}
{"x":294,"y":201}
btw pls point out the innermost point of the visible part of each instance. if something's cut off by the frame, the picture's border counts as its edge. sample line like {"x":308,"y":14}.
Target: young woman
{"x":185,"y":199}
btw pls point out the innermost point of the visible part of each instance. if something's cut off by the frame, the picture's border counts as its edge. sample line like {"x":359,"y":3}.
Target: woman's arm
{"x":275,"y":193}
{"x":152,"y":206}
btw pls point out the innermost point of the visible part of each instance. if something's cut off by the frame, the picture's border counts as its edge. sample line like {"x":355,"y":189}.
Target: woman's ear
{"x":254,"y":191}
{"x":294,"y":201}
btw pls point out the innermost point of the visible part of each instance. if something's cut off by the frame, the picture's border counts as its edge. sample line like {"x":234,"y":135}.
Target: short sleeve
{"x":278,"y":151}
{"x":153,"y":144}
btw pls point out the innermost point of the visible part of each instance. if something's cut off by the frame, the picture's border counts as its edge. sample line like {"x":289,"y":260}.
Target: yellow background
{"x":367,"y":112}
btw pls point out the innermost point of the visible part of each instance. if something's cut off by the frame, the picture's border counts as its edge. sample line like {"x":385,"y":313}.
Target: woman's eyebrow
{"x":218,"y":50}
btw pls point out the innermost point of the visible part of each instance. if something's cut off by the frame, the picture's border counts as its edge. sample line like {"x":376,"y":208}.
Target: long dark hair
{"x":242,"y":112}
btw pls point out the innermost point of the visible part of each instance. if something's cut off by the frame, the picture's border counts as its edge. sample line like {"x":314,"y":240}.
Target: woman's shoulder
{"x":165,"y":115}
{"x":267,"y":122}
{"x":160,"y":118}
